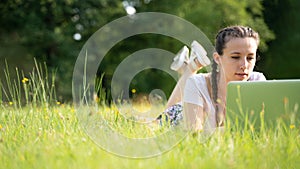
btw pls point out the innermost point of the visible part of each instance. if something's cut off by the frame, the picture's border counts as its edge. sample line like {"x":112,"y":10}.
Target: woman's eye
{"x":235,"y":57}
{"x":250,"y":58}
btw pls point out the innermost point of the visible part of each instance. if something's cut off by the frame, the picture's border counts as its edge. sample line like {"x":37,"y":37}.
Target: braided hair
{"x":224,"y":36}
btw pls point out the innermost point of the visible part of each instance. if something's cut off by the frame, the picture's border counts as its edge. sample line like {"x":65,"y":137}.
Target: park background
{"x":53,"y":32}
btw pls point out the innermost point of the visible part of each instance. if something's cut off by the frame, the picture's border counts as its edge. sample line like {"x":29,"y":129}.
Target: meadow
{"x":38,"y":131}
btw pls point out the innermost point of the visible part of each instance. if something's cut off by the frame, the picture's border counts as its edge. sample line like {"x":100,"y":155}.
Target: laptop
{"x":274,"y":101}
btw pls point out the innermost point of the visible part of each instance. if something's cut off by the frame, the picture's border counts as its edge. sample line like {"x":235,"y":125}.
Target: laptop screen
{"x":272,"y":100}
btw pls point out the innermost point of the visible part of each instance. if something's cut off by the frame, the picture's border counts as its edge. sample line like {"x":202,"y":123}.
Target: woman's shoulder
{"x":199,"y":79}
{"x":200,"y":75}
{"x":257,"y":76}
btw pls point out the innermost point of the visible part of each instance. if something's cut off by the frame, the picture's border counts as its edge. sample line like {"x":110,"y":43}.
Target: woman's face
{"x":238,"y":59}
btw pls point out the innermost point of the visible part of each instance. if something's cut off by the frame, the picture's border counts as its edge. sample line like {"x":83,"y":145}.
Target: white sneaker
{"x":199,"y":53}
{"x":180,"y":59}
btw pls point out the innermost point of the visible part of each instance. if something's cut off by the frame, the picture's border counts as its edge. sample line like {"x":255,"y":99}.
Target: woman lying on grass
{"x":203,"y":95}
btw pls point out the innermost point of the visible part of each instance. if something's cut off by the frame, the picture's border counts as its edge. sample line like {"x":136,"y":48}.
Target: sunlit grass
{"x":45,"y":133}
{"x":51,"y":137}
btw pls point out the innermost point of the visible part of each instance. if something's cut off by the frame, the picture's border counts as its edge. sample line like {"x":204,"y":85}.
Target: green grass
{"x":41,"y":137}
{"x":39,"y":132}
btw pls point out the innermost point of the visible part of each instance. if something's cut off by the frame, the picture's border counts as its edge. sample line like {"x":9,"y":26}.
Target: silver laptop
{"x":273,"y":101}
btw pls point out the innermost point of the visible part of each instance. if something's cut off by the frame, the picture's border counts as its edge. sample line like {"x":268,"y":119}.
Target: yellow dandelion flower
{"x":22,"y":158}
{"x":10,"y":103}
{"x":285,"y":100}
{"x":252,"y":128}
{"x":133,"y":91}
{"x":24,"y":80}
{"x":58,"y":103}
{"x":292,"y":126}
{"x":1,"y":127}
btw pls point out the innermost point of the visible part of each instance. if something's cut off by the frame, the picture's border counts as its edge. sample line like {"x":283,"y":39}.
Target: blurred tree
{"x":55,"y":31}
{"x":282,"y":60}
{"x":211,"y":15}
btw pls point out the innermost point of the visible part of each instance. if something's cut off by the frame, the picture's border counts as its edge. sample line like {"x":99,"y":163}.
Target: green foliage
{"x":45,"y":29}
{"x":210,"y":16}
{"x":281,"y":61}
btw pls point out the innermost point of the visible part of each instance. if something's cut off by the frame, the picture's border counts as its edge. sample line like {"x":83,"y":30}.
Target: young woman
{"x":203,"y":96}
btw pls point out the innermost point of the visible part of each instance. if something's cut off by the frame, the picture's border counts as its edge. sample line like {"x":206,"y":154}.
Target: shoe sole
{"x":198,"y":49}
{"x":179,"y":59}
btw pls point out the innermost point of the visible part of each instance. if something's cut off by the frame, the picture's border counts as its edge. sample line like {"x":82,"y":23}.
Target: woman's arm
{"x":193,"y":106}
{"x":194,"y":116}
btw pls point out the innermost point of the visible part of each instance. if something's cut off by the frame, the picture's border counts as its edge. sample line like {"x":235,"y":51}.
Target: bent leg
{"x":177,"y":93}
{"x":197,"y":61}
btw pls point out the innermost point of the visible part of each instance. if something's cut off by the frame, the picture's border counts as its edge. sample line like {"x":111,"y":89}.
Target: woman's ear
{"x":216,"y":57}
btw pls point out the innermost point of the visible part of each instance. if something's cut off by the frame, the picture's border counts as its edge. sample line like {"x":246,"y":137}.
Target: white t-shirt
{"x":196,"y":92}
